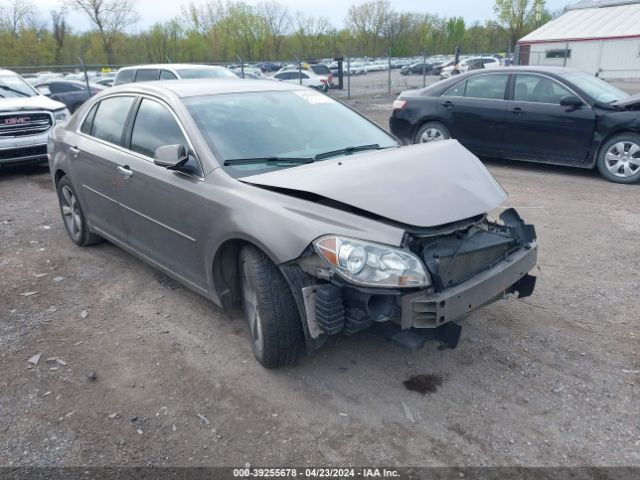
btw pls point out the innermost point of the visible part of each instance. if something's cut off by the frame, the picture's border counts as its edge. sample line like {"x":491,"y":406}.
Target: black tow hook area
{"x":524,"y":286}
{"x":413,"y":339}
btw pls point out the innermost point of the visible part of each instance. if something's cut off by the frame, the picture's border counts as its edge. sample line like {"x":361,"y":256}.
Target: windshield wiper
{"x":250,"y":161}
{"x":9,"y":89}
{"x":348,"y":150}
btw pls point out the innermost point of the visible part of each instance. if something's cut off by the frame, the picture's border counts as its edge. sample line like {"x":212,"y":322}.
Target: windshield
{"x":599,"y":90}
{"x":190,"y":73}
{"x":12,"y":86}
{"x":320,"y":69}
{"x":281,"y":124}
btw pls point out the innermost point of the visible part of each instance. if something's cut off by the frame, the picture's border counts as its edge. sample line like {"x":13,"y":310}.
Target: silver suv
{"x":25,"y":120}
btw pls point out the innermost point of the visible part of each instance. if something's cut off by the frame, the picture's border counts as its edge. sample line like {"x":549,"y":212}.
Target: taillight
{"x":399,"y":104}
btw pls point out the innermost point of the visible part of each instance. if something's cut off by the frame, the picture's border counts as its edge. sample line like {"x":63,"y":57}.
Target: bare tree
{"x":19,"y":14}
{"x":111,"y":18}
{"x":369,"y":22}
{"x":278,"y":22}
{"x":59,"y":29}
{"x":309,"y":32}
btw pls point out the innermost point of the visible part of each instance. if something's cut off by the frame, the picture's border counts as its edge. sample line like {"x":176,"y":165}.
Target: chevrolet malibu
{"x":281,"y":200}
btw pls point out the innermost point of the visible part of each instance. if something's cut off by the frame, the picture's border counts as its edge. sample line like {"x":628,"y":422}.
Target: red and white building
{"x":601,"y":37}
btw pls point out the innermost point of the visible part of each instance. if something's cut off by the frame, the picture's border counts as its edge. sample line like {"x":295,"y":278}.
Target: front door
{"x":474,"y":110}
{"x":539,"y":128}
{"x":162,"y":209}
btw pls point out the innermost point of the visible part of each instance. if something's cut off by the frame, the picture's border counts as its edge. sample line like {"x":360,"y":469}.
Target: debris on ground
{"x":59,"y":279}
{"x":28,"y":294}
{"x":35,"y":359}
{"x":407,"y":413}
{"x":203,"y":418}
{"x":84,"y":314}
{"x":92,"y":376}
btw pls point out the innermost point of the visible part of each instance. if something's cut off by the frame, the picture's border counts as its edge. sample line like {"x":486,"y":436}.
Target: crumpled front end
{"x":471,"y":264}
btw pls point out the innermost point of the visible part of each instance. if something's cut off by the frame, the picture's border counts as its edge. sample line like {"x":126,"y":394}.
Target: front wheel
{"x":274,"y":323}
{"x":432,"y":132}
{"x":619,"y":159}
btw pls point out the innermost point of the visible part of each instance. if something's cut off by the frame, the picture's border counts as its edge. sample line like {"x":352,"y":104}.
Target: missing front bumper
{"x":423,"y":310}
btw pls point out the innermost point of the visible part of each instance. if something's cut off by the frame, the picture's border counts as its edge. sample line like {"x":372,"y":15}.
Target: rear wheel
{"x":619,"y":158}
{"x":432,"y":132}
{"x":274,"y":323}
{"x":73,"y":216}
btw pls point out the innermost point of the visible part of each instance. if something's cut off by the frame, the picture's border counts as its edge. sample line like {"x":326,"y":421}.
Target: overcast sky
{"x":152,"y":11}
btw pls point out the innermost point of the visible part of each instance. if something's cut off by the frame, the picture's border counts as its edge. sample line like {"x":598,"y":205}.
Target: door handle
{"x":75,"y":151}
{"x":517,"y":111}
{"x":447,"y":104}
{"x":125,"y":171}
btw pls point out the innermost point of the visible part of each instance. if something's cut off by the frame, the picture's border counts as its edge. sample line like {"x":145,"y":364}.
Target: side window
{"x":538,"y":89}
{"x":167,"y":75}
{"x":154,"y":127}
{"x":303,"y":75}
{"x":456,"y":91}
{"x":147,"y":75}
{"x":487,"y":86}
{"x":88,"y":121}
{"x":108,"y":121}
{"x":125,"y":76}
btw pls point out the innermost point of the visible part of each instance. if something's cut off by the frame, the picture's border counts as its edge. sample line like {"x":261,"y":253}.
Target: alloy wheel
{"x":623,"y":159}
{"x":71,"y":212}
{"x":432,"y":135}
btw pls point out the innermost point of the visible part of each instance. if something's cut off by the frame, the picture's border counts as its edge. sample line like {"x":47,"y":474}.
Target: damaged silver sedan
{"x":283,"y":201}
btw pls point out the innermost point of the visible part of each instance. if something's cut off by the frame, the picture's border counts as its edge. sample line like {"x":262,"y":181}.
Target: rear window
{"x":320,"y":69}
{"x":124,"y":76}
{"x":147,"y":75}
{"x":109,"y":119}
{"x":188,"y":73}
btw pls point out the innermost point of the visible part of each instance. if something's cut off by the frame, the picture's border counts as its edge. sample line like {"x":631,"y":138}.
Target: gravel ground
{"x":550,"y":380}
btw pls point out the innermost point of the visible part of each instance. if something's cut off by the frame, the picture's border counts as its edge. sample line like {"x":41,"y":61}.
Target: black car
{"x":418,"y":69}
{"x":70,"y":92}
{"x":541,"y":114}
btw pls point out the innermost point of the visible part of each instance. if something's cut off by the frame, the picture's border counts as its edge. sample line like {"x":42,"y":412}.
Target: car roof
{"x":198,"y":87}
{"x":170,"y":66}
{"x":7,"y":72}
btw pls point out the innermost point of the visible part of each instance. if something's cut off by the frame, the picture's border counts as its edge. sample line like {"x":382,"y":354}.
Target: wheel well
{"x":422,"y":123}
{"x":59,"y":174}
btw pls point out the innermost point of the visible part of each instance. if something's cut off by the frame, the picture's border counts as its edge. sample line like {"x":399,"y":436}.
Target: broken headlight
{"x":372,"y":264}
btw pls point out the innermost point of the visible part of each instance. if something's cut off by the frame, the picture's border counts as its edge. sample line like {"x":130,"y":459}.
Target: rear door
{"x":96,"y":160}
{"x":162,"y":209}
{"x":474,"y":110}
{"x":538,"y":128}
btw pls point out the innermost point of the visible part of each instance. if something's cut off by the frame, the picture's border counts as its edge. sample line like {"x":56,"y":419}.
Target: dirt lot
{"x":550,"y":380}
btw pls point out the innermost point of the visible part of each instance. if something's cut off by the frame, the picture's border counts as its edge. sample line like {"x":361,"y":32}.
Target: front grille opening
{"x":456,"y":258}
{"x":24,"y":152}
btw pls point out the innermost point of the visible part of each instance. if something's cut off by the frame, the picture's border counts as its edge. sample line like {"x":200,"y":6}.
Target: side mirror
{"x":170,"y":156}
{"x":571,"y":101}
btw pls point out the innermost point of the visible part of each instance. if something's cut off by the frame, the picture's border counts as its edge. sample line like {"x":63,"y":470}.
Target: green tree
{"x":518,"y":16}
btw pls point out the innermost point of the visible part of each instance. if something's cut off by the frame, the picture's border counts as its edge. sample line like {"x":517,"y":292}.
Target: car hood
{"x":627,"y":102}
{"x":419,"y":185}
{"x":37,"y":102}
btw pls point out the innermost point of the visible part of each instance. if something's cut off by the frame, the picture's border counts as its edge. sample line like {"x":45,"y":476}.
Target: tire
{"x":619,"y":158}
{"x":272,"y":316}
{"x":73,"y":216}
{"x":434,"y":130}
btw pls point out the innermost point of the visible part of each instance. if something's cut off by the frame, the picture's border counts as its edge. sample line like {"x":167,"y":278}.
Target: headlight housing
{"x":61,"y":116}
{"x":371,"y":264}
